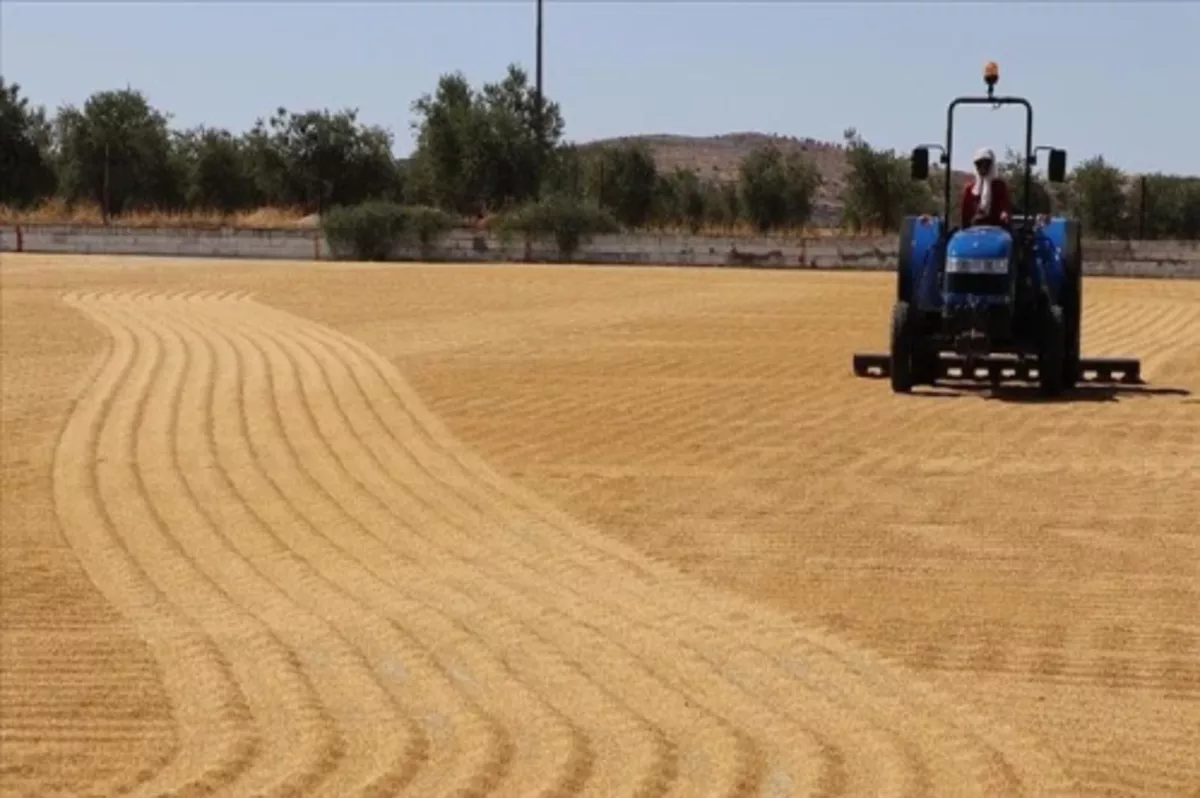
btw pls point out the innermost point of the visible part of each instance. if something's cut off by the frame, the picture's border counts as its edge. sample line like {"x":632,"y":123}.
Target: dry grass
{"x":315,"y":529}
{"x":269,"y":218}
{"x":57,"y":212}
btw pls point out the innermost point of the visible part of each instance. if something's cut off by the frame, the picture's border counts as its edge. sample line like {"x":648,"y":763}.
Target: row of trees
{"x":488,"y":151}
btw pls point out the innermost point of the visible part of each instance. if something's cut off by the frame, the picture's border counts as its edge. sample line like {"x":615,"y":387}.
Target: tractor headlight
{"x":977,"y":265}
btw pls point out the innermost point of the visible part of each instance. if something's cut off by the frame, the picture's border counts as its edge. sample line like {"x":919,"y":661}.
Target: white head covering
{"x":983,"y":183}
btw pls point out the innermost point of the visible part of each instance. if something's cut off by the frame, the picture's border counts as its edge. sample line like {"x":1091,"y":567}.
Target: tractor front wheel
{"x":1052,"y":354}
{"x":902,"y":348}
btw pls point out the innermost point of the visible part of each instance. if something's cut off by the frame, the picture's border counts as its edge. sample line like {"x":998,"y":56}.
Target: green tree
{"x":267,"y":163}
{"x":26,"y":170}
{"x":568,"y":221}
{"x":693,"y":199}
{"x":1189,"y":210}
{"x":879,"y":190}
{"x":1164,"y":206}
{"x":218,"y":173}
{"x":480,"y":151}
{"x":563,"y":172}
{"x":725,"y":205}
{"x":777,"y":190}
{"x":1100,"y":198}
{"x":682,"y":198}
{"x":319,"y":159}
{"x":624,"y":180}
{"x":519,"y":143}
{"x":117,"y":151}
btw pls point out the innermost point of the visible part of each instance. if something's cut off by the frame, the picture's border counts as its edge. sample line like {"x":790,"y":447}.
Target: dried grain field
{"x":301,"y":529}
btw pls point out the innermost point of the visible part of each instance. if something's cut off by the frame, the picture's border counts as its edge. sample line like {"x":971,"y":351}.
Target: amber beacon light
{"x":991,"y":74}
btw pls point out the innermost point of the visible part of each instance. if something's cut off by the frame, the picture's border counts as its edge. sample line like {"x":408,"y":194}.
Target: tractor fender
{"x":917,"y":267}
{"x":1057,"y":255}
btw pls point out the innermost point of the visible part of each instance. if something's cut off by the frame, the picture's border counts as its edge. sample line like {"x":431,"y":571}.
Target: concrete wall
{"x":1143,"y":258}
{"x":217,"y":243}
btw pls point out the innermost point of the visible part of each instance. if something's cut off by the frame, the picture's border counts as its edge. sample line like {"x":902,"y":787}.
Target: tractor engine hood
{"x":979,"y":250}
{"x":978,"y":269}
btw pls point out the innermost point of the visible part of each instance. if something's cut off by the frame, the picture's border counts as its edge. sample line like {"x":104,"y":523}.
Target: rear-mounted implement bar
{"x":998,"y":368}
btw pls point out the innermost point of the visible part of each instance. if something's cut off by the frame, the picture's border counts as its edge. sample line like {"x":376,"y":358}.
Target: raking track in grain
{"x":343,"y":600}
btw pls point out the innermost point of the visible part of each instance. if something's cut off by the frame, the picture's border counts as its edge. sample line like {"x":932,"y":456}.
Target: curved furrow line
{"x":217,"y":737}
{"x":401,"y":751}
{"x":991,"y":757}
{"x":252,"y":643}
{"x":524,"y":765}
{"x":538,"y":610}
{"x":387,"y":520}
{"x":550,"y":567}
{"x":174,"y":642}
{"x":404,"y":484}
{"x":579,"y":756}
{"x":302,"y":749}
{"x":399,"y":760}
{"x":444,"y":560}
{"x":475,"y":753}
{"x":500,"y":631}
{"x":568,"y":567}
{"x":348,"y":690}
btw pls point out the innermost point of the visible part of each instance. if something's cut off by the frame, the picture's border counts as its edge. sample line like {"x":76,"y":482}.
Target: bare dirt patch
{"x":338,"y":530}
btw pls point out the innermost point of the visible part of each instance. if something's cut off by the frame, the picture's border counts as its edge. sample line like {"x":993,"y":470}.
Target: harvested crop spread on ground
{"x":296,"y":529}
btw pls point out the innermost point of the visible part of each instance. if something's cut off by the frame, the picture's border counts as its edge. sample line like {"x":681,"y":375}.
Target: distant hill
{"x":719,"y":158}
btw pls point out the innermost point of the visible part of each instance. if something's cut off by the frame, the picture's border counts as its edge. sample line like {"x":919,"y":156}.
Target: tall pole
{"x":539,"y":54}
{"x":541,"y":122}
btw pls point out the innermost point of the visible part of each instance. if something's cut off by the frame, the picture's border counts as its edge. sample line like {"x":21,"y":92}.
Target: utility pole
{"x":540,"y":122}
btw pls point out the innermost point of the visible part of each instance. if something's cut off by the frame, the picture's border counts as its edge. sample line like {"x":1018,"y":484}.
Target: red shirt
{"x":1000,"y":203}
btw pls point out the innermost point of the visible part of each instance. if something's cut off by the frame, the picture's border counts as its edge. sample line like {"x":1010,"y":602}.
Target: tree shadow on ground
{"x":1029,"y":394}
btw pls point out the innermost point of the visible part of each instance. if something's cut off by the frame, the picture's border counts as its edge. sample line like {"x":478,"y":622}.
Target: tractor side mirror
{"x":1056,"y":167}
{"x":920,"y":163}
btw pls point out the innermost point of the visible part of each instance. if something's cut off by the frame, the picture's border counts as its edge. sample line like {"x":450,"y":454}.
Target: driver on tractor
{"x":986,"y":199}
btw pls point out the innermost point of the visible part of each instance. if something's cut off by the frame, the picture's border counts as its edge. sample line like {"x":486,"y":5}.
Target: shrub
{"x":569,"y":221}
{"x":427,"y":225}
{"x":373,"y":231}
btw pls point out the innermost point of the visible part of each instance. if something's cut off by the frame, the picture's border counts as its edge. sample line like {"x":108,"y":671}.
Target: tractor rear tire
{"x":902,"y":348}
{"x":1072,"y":300}
{"x":1052,"y":353}
{"x":904,"y":260}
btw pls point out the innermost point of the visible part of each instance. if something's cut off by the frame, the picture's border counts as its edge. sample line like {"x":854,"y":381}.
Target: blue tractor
{"x":1002,"y":299}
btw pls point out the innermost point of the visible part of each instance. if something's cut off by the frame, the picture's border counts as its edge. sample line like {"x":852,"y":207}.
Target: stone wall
{"x":1138,"y":258}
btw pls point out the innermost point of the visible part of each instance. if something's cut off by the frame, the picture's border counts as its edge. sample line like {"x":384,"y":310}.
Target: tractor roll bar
{"x":993,"y":101}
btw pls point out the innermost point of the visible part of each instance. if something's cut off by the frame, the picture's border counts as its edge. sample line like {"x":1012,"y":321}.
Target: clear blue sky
{"x":1111,"y":78}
